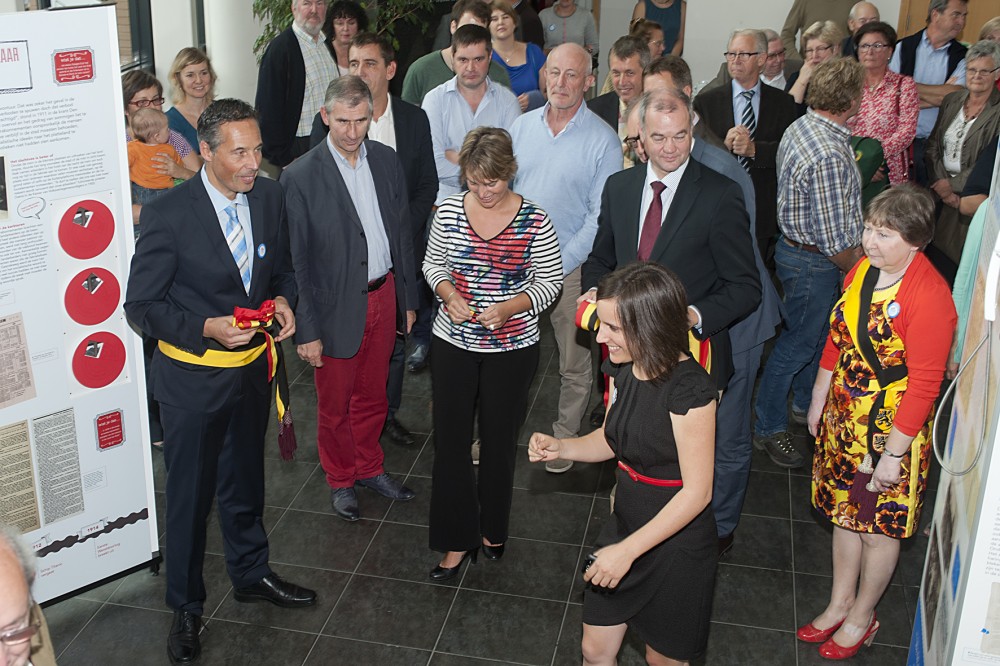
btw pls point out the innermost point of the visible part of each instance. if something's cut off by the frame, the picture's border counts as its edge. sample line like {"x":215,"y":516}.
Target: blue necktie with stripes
{"x":750,"y":122}
{"x":237,"y":242}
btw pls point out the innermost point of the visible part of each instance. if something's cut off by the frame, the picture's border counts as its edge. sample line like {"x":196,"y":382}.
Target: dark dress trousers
{"x":705,"y":239}
{"x":214,"y":419}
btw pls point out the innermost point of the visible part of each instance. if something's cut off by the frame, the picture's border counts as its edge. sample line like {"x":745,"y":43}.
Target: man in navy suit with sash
{"x":217,"y":241}
{"x":352,"y":250}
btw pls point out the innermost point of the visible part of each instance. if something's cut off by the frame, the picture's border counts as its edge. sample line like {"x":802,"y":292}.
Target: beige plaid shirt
{"x":320,"y":70}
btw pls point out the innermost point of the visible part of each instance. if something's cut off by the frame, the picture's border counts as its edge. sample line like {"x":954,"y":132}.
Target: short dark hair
{"x":344,"y":9}
{"x":137,"y":80}
{"x":477,"y":8}
{"x":940,"y":6}
{"x":350,"y":90}
{"x":653,"y":314}
{"x":487,"y":153}
{"x":369,"y":39}
{"x":906,"y":209}
{"x":218,"y":113}
{"x":470,"y":35}
{"x":880,"y":27}
{"x":673,"y":65}
{"x":628,"y":46}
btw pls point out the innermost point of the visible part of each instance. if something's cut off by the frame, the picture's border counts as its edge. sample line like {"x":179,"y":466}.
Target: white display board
{"x":75,"y":466}
{"x":958,"y":615}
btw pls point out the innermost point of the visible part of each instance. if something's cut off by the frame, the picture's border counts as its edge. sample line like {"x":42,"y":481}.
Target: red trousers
{"x":351,"y":403}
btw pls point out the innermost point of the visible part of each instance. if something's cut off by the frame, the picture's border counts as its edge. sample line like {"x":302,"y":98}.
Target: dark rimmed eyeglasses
{"x":145,"y":103}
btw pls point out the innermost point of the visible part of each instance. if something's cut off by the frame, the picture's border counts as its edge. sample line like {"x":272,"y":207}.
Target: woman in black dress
{"x":655,"y":564}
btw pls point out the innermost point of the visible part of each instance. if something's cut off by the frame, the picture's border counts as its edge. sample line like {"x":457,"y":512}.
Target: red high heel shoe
{"x":811,"y":634}
{"x":833,"y":650}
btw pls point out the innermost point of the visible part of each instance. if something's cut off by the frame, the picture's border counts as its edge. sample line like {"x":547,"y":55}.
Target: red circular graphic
{"x":92,"y":296}
{"x":98,"y":360}
{"x":86,"y":229}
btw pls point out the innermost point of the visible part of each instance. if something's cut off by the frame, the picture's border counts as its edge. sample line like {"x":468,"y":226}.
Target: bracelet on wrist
{"x":893,"y":455}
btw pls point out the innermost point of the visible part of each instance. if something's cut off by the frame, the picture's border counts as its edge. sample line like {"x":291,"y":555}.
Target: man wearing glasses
{"x":751,"y":117}
{"x":777,"y":68}
{"x":20,"y":619}
{"x":936,"y":61}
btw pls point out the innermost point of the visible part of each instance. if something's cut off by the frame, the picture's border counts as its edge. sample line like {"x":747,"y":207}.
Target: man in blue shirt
{"x":564,"y":153}
{"x":936,"y":61}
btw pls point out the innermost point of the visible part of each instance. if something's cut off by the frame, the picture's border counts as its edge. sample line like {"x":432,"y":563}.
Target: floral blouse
{"x":889,"y":113}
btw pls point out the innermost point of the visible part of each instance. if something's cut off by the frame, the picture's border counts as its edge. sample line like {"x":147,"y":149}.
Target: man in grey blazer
{"x":352,"y":250}
{"x":733,"y":438}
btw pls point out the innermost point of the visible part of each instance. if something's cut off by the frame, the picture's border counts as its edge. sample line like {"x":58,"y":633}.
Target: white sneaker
{"x":475,"y":452}
{"x":558,"y":466}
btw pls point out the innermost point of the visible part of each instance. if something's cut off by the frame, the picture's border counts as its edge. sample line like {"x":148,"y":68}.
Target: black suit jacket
{"x":183,"y":273}
{"x":777,"y":112}
{"x":281,"y":86}
{"x":705,"y":240}
{"x":606,"y":106}
{"x":330,"y":251}
{"x":416,"y":152}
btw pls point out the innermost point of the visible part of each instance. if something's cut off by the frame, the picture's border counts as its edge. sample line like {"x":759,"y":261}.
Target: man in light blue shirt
{"x":465,"y":102}
{"x":936,"y":61}
{"x":564,"y":154}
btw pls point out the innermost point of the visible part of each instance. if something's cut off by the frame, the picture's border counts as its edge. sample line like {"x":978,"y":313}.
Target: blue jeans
{"x":810,"y":283}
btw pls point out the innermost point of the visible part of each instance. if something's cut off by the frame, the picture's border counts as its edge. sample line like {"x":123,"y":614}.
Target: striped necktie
{"x":237,"y":242}
{"x":750,"y":122}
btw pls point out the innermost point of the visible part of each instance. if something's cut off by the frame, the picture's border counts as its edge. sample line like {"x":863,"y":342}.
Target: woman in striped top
{"x":493,"y":261}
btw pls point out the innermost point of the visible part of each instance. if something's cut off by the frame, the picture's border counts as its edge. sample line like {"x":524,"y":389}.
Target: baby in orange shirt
{"x":150,"y":130}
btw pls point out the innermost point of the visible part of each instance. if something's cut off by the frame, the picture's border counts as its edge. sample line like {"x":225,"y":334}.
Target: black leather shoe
{"x":417,"y":360}
{"x":440,"y":573}
{"x":345,"y":503}
{"x":726,"y":543}
{"x":278,"y":592}
{"x":598,"y":414}
{"x":389,"y":487}
{"x":493,"y":552}
{"x":396,"y":433}
{"x":183,"y":644}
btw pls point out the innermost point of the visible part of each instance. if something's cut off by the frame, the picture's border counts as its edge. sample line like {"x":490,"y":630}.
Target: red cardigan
{"x":926,"y":324}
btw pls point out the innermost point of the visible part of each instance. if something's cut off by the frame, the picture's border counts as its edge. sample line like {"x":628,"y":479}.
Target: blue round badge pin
{"x":261,"y":250}
{"x":892,"y":309}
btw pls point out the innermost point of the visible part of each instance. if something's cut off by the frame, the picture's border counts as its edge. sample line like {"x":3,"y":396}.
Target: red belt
{"x":672,"y":483}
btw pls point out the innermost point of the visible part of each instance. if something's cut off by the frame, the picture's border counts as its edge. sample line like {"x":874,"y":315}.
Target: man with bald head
{"x":861,"y":13}
{"x":564,"y":154}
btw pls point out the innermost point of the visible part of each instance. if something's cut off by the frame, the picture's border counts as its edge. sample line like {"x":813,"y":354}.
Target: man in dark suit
{"x":778,"y":68}
{"x":404,"y":128}
{"x":293,"y":75}
{"x":652,"y":207}
{"x":217,"y":241}
{"x":353,"y":255}
{"x":628,"y":57}
{"x":750,"y":118}
{"x":733,"y":437}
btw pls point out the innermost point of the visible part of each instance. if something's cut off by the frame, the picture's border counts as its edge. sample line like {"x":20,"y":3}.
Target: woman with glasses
{"x":968,"y":121}
{"x":192,"y":80}
{"x":141,"y":90}
{"x":820,"y":42}
{"x":889,"y":101}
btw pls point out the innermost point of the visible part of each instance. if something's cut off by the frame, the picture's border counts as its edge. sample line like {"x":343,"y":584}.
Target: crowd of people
{"x":816,"y":195}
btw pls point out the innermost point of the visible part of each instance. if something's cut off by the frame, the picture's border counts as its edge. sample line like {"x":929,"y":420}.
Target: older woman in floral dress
{"x":872,"y":409}
{"x":889,"y":101}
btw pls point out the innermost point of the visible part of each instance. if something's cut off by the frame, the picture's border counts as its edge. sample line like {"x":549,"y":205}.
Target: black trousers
{"x":464,"y":510}
{"x":210,"y":455}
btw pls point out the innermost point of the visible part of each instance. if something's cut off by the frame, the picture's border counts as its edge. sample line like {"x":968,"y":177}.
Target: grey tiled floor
{"x":376,"y":605}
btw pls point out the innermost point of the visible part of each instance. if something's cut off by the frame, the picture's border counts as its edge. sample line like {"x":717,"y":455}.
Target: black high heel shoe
{"x":493,"y":552}
{"x":440,"y":573}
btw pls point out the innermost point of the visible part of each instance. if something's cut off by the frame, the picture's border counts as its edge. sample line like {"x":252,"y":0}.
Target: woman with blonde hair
{"x":820,"y":42}
{"x":192,"y":89}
